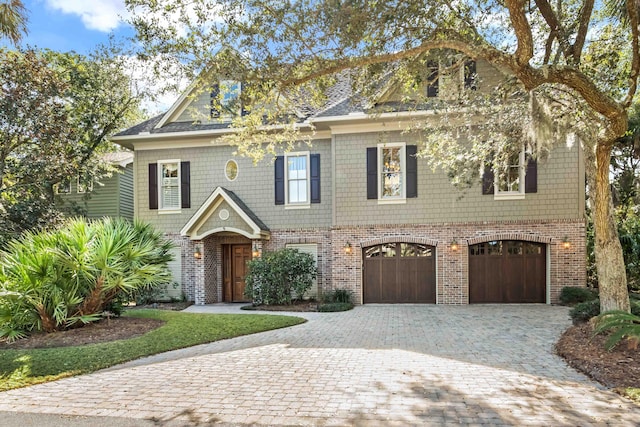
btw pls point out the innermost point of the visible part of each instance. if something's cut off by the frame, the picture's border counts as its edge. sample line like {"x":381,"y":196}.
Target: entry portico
{"x":225,"y":235}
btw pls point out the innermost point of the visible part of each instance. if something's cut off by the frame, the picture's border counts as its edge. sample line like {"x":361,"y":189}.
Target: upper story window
{"x":513,"y":180}
{"x":84,"y":184}
{"x":510,"y":180}
{"x":225,"y":99}
{"x":391,"y":179}
{"x":231,"y":170}
{"x":297,"y":178}
{"x":169,"y":184}
{"x":445,"y":78}
{"x":63,"y":187}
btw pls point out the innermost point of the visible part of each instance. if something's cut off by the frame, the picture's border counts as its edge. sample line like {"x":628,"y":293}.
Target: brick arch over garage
{"x":398,"y":238}
{"x":510,"y":236}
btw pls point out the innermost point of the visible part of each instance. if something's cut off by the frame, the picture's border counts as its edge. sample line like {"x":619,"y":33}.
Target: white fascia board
{"x":212,"y":202}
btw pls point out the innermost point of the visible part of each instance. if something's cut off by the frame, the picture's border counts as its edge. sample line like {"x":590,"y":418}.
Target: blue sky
{"x":78,"y":25}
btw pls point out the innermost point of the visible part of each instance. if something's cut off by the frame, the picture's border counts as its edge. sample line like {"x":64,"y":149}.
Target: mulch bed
{"x":298,"y":306}
{"x":617,"y":368}
{"x":105,"y":330}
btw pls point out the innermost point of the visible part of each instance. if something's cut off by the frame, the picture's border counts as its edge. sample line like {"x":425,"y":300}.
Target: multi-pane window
{"x":511,"y":177}
{"x":391,"y":250}
{"x":392,"y":169}
{"x":225,"y":99}
{"x":170,"y":185}
{"x":297,"y":178}
{"x":84,"y":184}
{"x":63,"y":187}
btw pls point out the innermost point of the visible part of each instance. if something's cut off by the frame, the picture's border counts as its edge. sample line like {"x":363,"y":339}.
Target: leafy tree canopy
{"x":13,"y":20}
{"x":573,"y":64}
{"x":57,"y":111}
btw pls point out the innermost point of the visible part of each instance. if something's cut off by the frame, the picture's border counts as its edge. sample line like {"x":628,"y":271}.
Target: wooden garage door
{"x":399,"y":273}
{"x":507,"y":271}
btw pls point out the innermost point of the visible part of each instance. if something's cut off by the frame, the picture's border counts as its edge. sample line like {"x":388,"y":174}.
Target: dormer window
{"x":225,"y":99}
{"x":449,"y":83}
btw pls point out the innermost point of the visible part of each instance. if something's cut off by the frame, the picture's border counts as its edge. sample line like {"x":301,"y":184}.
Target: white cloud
{"x":100,"y":15}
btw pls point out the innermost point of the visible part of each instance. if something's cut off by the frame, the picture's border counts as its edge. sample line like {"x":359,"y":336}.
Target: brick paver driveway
{"x":374,"y":365}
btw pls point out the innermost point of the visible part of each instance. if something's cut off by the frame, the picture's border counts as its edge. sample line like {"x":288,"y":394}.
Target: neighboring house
{"x":376,"y":218}
{"x":112,"y":196}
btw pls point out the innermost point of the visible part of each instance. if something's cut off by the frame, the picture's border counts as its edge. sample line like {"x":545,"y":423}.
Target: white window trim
{"x":56,"y":188}
{"x":171,"y":210}
{"x":226,"y":165}
{"x":227,"y":116}
{"x":512,"y":195}
{"x":299,"y":205}
{"x":403,"y":172}
{"x":88,"y":189}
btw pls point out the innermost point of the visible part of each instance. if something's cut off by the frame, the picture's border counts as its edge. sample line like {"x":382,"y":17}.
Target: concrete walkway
{"x":374,"y":366}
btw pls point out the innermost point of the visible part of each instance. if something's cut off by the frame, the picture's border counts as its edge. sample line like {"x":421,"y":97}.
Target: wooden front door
{"x":234,"y":270}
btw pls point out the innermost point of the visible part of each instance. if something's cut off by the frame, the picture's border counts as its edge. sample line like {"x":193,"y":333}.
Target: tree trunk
{"x":612,"y":278}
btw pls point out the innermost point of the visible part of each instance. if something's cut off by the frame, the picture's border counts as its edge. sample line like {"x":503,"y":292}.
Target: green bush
{"x":584,"y":311}
{"x":279,"y":277}
{"x":338,"y":295}
{"x":335,"y":306}
{"x":571,"y":295}
{"x":55,"y":280}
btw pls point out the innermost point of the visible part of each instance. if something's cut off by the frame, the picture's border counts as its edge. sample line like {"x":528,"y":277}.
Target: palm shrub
{"x":64,"y":278}
{"x":279,"y":277}
{"x":622,"y":325}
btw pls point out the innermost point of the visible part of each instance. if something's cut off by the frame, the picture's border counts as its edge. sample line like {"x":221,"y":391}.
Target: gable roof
{"x":251,"y":226}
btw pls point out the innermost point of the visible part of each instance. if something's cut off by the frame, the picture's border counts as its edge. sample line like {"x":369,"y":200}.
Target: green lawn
{"x":20,"y":368}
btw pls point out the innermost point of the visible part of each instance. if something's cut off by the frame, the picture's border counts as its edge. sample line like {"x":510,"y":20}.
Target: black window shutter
{"x":470,"y":75}
{"x":215,"y":102}
{"x":412,"y":171}
{"x":153,"y":186}
{"x":185,"y":184}
{"x":531,"y":177}
{"x":279,"y":180}
{"x":372,"y":173}
{"x":487,"y":180}
{"x":315,"y":178}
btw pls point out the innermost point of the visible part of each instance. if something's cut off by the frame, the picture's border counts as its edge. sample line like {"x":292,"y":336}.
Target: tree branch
{"x":554,"y":25}
{"x":581,"y":36}
{"x":524,"y":51}
{"x":634,"y":22}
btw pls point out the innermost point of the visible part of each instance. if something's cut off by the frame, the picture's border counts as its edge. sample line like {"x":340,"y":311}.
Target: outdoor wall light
{"x":255,"y":253}
{"x":454,"y":245}
{"x":566,"y":243}
{"x":196,"y":253}
{"x":347,"y":248}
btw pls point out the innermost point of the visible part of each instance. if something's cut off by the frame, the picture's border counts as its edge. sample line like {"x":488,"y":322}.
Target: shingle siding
{"x":560,"y":186}
{"x":254,"y":185}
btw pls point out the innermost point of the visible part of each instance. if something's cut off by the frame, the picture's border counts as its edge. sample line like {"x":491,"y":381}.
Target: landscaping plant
{"x":622,"y":325}
{"x":60,"y":279}
{"x":336,"y":300}
{"x":571,"y":295}
{"x":279,"y":277}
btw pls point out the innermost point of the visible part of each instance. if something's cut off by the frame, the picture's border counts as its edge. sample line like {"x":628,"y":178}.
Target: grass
{"x":20,"y":368}
{"x":632,"y":393}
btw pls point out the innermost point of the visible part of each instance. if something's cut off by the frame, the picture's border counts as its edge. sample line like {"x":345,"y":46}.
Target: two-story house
{"x":377,"y":219}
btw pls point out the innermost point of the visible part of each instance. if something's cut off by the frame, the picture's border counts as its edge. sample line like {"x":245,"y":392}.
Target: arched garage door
{"x":399,"y":273}
{"x":507,"y":271}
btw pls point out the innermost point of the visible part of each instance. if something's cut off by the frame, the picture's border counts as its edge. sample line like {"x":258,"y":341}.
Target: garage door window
{"x":390,"y":250}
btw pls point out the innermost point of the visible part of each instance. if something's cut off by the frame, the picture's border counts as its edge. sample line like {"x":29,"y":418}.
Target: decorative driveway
{"x":372,"y":366}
